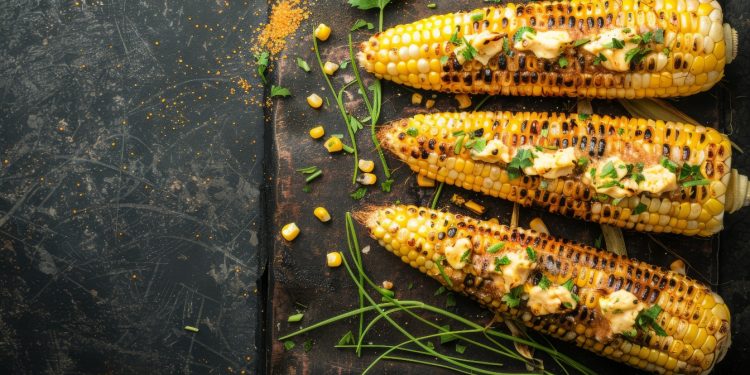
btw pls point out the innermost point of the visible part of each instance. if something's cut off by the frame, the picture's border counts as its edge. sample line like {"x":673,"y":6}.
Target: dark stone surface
{"x":129,"y":187}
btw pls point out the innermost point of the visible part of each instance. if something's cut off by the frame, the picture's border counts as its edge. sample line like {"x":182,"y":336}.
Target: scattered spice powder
{"x":286,"y":17}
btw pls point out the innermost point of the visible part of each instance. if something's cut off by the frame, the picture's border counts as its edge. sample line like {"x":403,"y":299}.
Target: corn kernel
{"x":366,"y":165}
{"x":475,"y":207}
{"x":317,"y":132}
{"x":429,"y":103}
{"x":333,"y":144}
{"x":322,"y":32}
{"x":464,"y":101}
{"x":367,"y":179}
{"x":314,"y":101}
{"x":330,"y":68}
{"x":290,"y":231}
{"x":423,"y":181}
{"x":387,"y":284}
{"x":333,"y":259}
{"x":322,"y":214}
{"x":416,"y":98}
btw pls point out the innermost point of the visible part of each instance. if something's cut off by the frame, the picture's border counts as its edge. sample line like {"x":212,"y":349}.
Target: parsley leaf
{"x":385,"y":186}
{"x":599,"y":59}
{"x":469,"y":52}
{"x":669,"y":164}
{"x":659,"y":36}
{"x":479,"y":144}
{"x":640,"y":208}
{"x":369,"y":4}
{"x":499,"y":262}
{"x":522,"y":31}
{"x":563,"y":62}
{"x":359,"y":193}
{"x":496,"y":247}
{"x":531,"y":253}
{"x":647,"y":319}
{"x":584,"y":116}
{"x":289,"y":345}
{"x":261,"y":60}
{"x":544,"y":283}
{"x":615,"y":44}
{"x":303,"y":64}
{"x":608,"y":170}
{"x":412,"y":131}
{"x":465,"y":255}
{"x":524,"y":158}
{"x":360,"y":23}
{"x":635,"y":55}
{"x":580,"y":42}
{"x":513,"y":299}
{"x":454,"y":39}
{"x":279,"y":91}
{"x":477,"y":17}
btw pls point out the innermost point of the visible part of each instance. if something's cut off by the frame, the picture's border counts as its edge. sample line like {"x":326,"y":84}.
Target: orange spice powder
{"x":286,"y":17}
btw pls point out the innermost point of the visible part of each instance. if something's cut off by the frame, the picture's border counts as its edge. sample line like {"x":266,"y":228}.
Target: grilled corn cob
{"x":592,"y":48}
{"x":632,"y":173}
{"x":564,"y":289}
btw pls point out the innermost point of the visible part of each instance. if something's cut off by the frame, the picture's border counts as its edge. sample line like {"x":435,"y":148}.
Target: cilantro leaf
{"x":303,"y":64}
{"x":261,"y":60}
{"x":279,"y":91}
{"x":496,"y":247}
{"x":544,"y":283}
{"x":469,"y":52}
{"x":669,"y":164}
{"x":580,"y":42}
{"x":640,"y":208}
{"x":369,"y":4}
{"x":360,"y":23}
{"x":359,"y":193}
{"x":563,"y":62}
{"x":615,"y":44}
{"x":524,"y":158}
{"x":385,"y":186}
{"x":522,"y":31}
{"x":531,"y":253}
{"x":513,"y":299}
{"x":499,"y":262}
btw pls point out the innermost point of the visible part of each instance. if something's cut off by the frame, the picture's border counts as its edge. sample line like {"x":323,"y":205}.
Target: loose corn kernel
{"x":429,"y":103}
{"x":416,"y":98}
{"x":333,"y":259}
{"x":322,"y":32}
{"x":317,"y":132}
{"x":333,"y":144}
{"x":387,"y":284}
{"x":314,"y":101}
{"x":458,"y":200}
{"x":423,"y":181}
{"x":322,"y":214}
{"x":366,"y":165}
{"x":367,"y":179}
{"x":464,"y":101}
{"x":330,"y":68}
{"x":290,"y":231}
{"x":538,"y":225}
{"x":475,"y":207}
{"x":678,"y":266}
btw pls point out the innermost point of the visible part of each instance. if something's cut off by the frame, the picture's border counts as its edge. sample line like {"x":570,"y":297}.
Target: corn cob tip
{"x":733,"y":42}
{"x":367,"y":215}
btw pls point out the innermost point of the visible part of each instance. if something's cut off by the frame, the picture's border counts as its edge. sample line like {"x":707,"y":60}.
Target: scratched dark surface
{"x":300,"y":280}
{"x":129,"y":188}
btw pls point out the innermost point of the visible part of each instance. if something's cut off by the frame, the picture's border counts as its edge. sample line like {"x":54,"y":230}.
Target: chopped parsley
{"x":460,"y":349}
{"x":454,"y":38}
{"x":635,"y":55}
{"x":580,"y":42}
{"x":359,"y":193}
{"x":513,"y":299}
{"x":640,"y":208}
{"x":443,"y":60}
{"x":303,"y":64}
{"x":307,"y":345}
{"x":261,"y":60}
{"x":385,"y":186}
{"x":279,"y":91}
{"x":584,"y":116}
{"x":499,"y":262}
{"x":608,"y":170}
{"x":450,"y":300}
{"x":611,"y":183}
{"x":477,"y":17}
{"x":582,"y":162}
{"x":447,"y":337}
{"x":690,"y":175}
{"x":544,"y":283}
{"x":459,"y":144}
{"x":620,"y":131}
{"x":469,"y":52}
{"x":563,"y":62}
{"x":669,"y":164}
{"x":522,"y":31}
{"x":288,"y":345}
{"x":523,"y":159}
{"x":496,"y":247}
{"x":615,"y":44}
{"x":465,"y":255}
{"x":599,"y":59}
{"x":659,"y":36}
{"x":439,"y":264}
{"x":666,"y":51}
{"x":531,"y":253}
{"x":477,"y":144}
{"x":412,"y":132}
{"x":647,"y":319}
{"x":506,"y":48}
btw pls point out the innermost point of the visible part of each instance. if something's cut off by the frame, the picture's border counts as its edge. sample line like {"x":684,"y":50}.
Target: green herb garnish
{"x":640,"y":208}
{"x":647,"y":319}
{"x":440,"y":267}
{"x":412,"y":132}
{"x":522,"y":31}
{"x":303,"y":64}
{"x":523,"y":159}
{"x":295,"y":318}
{"x":669,"y":164}
{"x":531,"y":253}
{"x":261,"y":60}
{"x":580,"y":42}
{"x":544,"y":283}
{"x":562,"y":61}
{"x":359,"y":193}
{"x":496,"y":247}
{"x":513,"y":299}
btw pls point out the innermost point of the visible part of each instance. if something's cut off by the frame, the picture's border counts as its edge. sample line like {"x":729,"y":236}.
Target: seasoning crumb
{"x":286,"y":17}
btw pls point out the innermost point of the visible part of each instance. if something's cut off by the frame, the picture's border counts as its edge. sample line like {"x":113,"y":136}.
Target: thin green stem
{"x":437,"y":195}
{"x":341,"y":107}
{"x":420,"y":352}
{"x":481,"y":103}
{"x":426,"y":363}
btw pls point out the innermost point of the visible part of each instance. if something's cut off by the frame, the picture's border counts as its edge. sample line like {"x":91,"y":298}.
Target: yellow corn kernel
{"x":429,"y":103}
{"x":317,"y":132}
{"x":333,"y":144}
{"x":315,"y":101}
{"x":322,"y":32}
{"x":367,"y":179}
{"x":330,"y":68}
{"x":416,"y":98}
{"x":475,"y":207}
{"x":322,"y":214}
{"x":290,"y":231}
{"x":333,"y":259}
{"x":423,"y":181}
{"x":464,"y":101}
{"x":538,"y":225}
{"x":387,"y":284}
{"x":366,"y":165}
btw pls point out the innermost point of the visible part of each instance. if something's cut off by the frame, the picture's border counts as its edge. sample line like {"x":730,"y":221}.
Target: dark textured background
{"x":131,"y":192}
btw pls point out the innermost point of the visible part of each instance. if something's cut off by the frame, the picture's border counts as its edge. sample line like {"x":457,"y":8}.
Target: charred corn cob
{"x":591,"y":48}
{"x":632,"y":173}
{"x":616,"y":307}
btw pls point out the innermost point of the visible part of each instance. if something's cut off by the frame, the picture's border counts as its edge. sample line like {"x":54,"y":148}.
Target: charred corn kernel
{"x":334,"y":144}
{"x":464,"y":101}
{"x":290,"y":231}
{"x":314,"y":101}
{"x":472,"y":150}
{"x":367,"y":179}
{"x":423,"y":181}
{"x":475,"y":207}
{"x":416,"y":98}
{"x":330,"y":68}
{"x":333,"y":259}
{"x":387,"y":284}
{"x":661,"y":354}
{"x":317,"y":132}
{"x":562,"y":54}
{"x":429,"y":103}
{"x":322,"y":32}
{"x":322,"y":214}
{"x":366,"y":165}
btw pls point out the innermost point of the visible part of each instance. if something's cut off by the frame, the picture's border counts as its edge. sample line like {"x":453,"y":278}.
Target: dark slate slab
{"x":130,"y":187}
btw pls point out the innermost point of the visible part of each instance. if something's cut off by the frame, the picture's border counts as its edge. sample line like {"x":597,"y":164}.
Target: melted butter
{"x":495,"y":151}
{"x":487,"y":44}
{"x":515,"y":273}
{"x":544,"y":44}
{"x":553,"y":165}
{"x":658,"y":179}
{"x":628,"y":187}
{"x":454,"y":253}
{"x":616,"y":60}
{"x":550,"y":300}
{"x":621,"y":309}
